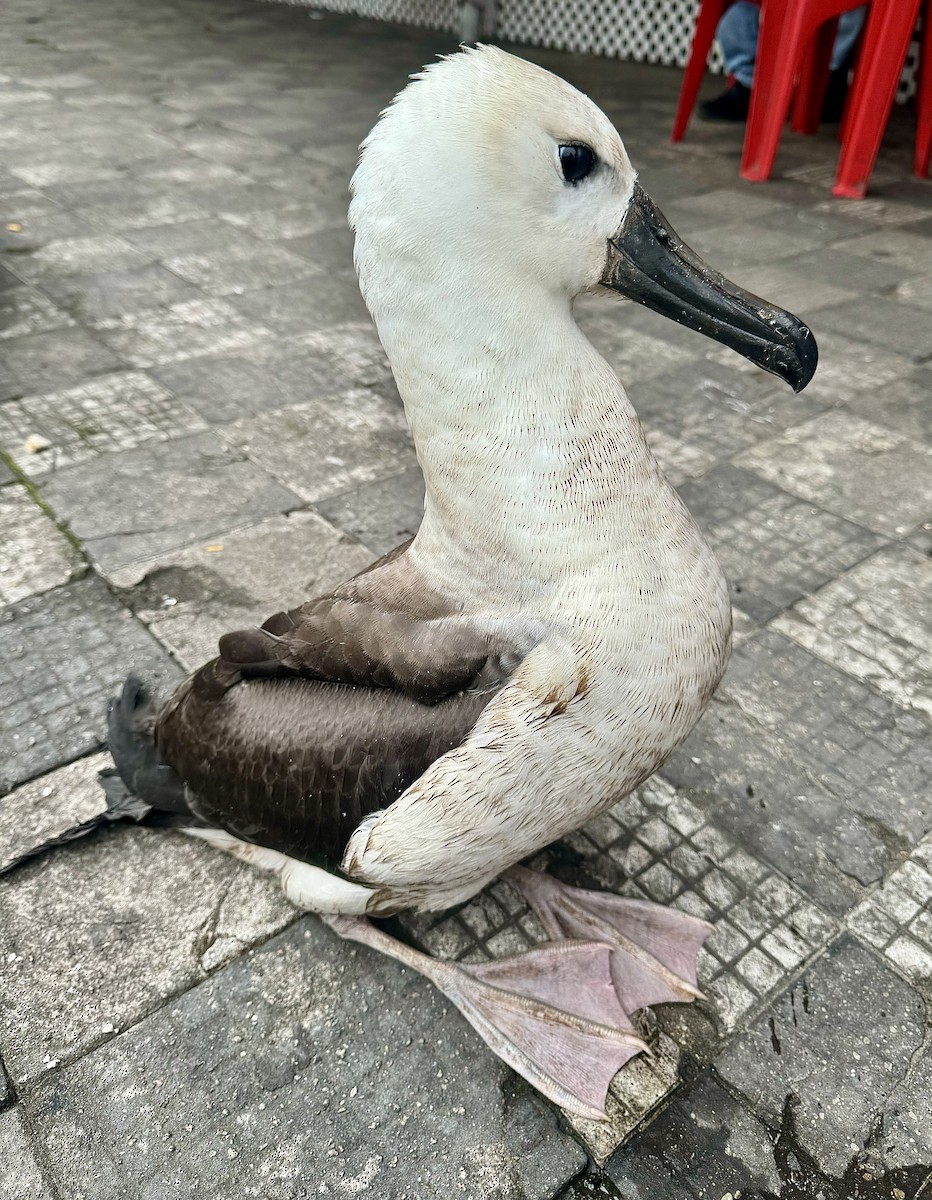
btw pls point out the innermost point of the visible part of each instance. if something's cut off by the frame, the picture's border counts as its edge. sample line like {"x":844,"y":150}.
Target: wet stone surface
{"x":62,"y":655}
{"x":36,"y":555}
{"x":810,"y":770}
{"x":846,"y":1043}
{"x":99,"y":934}
{"x":308,"y":1038}
{"x":189,"y":597}
{"x":773,"y":548}
{"x":22,"y":1178}
{"x":199,"y":426}
{"x":897,"y":918}
{"x":117,"y":412}
{"x":131,"y":507}
{"x":875,"y":622}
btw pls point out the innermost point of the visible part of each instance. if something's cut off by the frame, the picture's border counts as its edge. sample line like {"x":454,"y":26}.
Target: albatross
{"x":551,"y":633}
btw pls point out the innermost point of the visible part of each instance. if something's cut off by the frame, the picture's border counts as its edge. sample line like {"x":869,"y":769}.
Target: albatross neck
{"x":534,"y":460}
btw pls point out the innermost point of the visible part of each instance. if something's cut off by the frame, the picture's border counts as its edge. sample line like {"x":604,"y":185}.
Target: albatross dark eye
{"x":577,"y":161}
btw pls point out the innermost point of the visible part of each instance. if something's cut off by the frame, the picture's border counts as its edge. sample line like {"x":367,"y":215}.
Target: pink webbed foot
{"x":654,"y":949}
{"x":551,"y":1013}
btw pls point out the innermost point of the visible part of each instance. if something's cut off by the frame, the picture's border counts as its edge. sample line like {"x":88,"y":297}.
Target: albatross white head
{"x":502,"y":186}
{"x":489,"y":172}
{"x":489,"y":195}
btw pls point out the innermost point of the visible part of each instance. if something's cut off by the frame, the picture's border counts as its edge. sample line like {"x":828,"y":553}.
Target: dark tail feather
{"x":122,"y":805}
{"x":141,"y":788}
{"x":131,"y":721}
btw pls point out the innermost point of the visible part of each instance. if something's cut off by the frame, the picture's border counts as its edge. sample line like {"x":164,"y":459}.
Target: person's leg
{"x":849,"y":26}
{"x":737,"y":35}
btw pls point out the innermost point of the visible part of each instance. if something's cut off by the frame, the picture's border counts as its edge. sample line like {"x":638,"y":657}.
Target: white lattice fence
{"x":655,"y":31}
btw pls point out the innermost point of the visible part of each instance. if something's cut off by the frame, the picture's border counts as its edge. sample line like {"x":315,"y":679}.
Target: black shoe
{"x":833,"y":103}
{"x":731,"y":105}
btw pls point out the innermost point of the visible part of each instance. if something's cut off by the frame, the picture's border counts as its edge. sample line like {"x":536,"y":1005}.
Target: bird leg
{"x":551,"y":1014}
{"x":653,"y":948}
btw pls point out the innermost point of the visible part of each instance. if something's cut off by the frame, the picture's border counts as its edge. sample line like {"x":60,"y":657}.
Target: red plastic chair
{"x":887,"y":37}
{"x":813,"y":80}
{"x":794,"y":51}
{"x":707,"y":19}
{"x":785,"y":47}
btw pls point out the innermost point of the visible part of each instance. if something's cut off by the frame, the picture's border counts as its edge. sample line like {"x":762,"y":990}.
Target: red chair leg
{"x":813,"y":78}
{"x":890,"y":24}
{"x":779,"y":50}
{"x":924,"y":98}
{"x":707,"y":19}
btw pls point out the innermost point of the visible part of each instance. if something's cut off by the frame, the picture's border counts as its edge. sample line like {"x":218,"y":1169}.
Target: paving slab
{"x":890,"y":246}
{"x":117,"y":411}
{"x":22,"y":1178}
{"x":136,"y":505}
{"x":792,"y":284}
{"x":323,"y":448}
{"x":846,"y":1044}
{"x":875,"y":623}
{"x":62,"y":655}
{"x":59,"y":358}
{"x":711,"y":208}
{"x":732,"y":246}
{"x":354,"y":348}
{"x":306,"y":306}
{"x":846,"y":366}
{"x":904,"y":330}
{"x":314,"y":214}
{"x":106,"y":294}
{"x":222,"y":274}
{"x":79,"y":256}
{"x":852,"y":468}
{"x":183,"y":330}
{"x":808,"y":769}
{"x":121,"y":209}
{"x":635,"y":355}
{"x":381,"y":515}
{"x":25,"y":310}
{"x":710,"y":407}
{"x":905,"y":405}
{"x":96,"y":936}
{"x":36,"y":555}
{"x":312,"y":1038}
{"x":896,"y":919}
{"x":41,"y":220}
{"x":189,"y":597}
{"x":329,"y":250}
{"x":679,"y":461}
{"x":270,"y":375}
{"x":50,"y":804}
{"x":774,"y":548}
{"x":914,"y":292}
{"x":705,"y":1146}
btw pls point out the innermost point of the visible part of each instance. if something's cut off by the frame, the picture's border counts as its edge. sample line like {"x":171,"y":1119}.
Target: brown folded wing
{"x":295,"y":764}
{"x":385,"y":628}
{"x":329,"y":712}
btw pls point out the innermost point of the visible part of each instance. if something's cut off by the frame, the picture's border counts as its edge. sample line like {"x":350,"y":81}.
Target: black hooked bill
{"x":649,"y":263}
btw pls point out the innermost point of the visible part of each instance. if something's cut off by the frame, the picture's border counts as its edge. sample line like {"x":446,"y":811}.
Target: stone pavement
{"x":198,"y":427}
